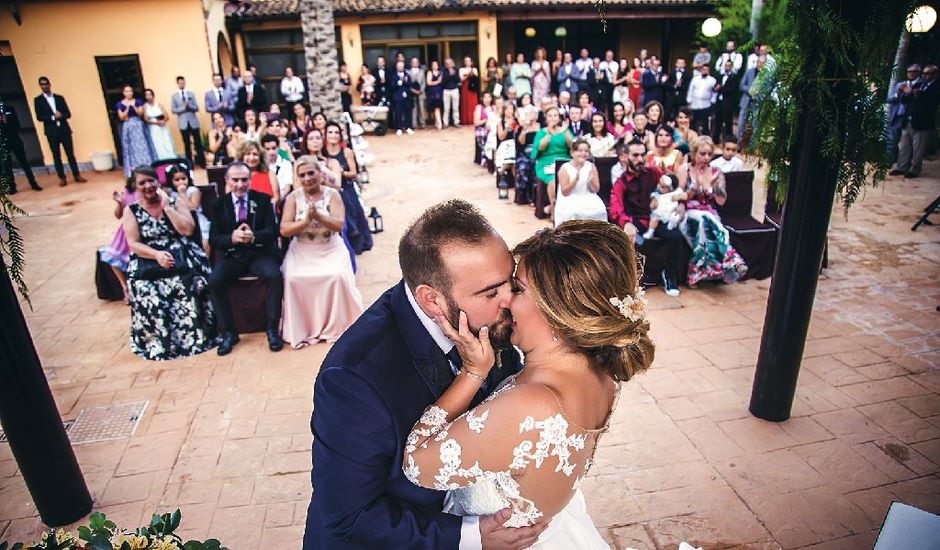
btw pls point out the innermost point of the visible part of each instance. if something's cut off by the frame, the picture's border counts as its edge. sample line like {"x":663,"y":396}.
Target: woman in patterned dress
{"x":136,"y":148}
{"x":171,"y":312}
{"x":529,"y":445}
{"x":713,"y":257}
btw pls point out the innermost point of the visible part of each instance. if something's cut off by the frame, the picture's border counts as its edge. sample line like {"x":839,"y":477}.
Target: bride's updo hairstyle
{"x":574,"y":273}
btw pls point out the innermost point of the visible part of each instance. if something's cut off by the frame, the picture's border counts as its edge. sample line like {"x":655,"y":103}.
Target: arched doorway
{"x":224,"y":54}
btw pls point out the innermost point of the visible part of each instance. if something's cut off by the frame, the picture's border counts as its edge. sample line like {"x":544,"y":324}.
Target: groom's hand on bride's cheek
{"x":496,"y":537}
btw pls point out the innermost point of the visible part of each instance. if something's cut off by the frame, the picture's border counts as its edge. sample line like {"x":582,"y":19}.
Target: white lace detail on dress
{"x":553,"y":441}
{"x":476,"y":422}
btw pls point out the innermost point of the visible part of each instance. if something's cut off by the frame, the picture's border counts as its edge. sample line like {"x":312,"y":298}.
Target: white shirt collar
{"x":235,"y":202}
{"x":435,"y":331}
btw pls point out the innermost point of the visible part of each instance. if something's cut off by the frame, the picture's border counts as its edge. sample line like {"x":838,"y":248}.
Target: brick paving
{"x":227,"y":439}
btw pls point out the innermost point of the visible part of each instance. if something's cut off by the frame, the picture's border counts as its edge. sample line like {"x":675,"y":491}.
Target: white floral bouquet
{"x":102,"y":534}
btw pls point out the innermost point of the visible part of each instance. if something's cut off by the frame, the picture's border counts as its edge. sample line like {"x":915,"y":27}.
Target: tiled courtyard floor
{"x":227,"y":439}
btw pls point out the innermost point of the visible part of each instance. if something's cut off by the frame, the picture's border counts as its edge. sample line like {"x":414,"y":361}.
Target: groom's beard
{"x":500,"y":330}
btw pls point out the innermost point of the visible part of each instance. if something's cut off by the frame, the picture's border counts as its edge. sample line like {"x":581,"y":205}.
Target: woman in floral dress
{"x":171,"y":312}
{"x":713,"y":257}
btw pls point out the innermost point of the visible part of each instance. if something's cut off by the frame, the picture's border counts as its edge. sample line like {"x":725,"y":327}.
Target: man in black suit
{"x":251,"y":96}
{"x":401,"y":88}
{"x":52,"y":110}
{"x":676,"y":89}
{"x":244,"y":232}
{"x":382,"y":76}
{"x":726,"y":103}
{"x":921,"y":123}
{"x":652,"y":81}
{"x":10,"y":128}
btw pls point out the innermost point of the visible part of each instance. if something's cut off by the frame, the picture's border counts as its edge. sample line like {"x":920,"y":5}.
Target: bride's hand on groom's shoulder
{"x":496,"y":537}
{"x":476,"y":352}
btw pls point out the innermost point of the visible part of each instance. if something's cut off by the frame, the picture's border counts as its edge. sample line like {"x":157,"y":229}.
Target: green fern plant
{"x":853,"y":133}
{"x":11,"y":242}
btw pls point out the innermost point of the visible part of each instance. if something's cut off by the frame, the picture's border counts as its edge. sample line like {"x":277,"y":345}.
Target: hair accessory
{"x":631,"y":307}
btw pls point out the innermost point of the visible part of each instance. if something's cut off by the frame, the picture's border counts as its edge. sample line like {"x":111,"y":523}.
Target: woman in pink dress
{"x":117,"y":254}
{"x":541,"y":76}
{"x":320,"y":295}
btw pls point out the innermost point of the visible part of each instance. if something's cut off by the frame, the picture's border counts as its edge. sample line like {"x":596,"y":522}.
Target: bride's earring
{"x":554,"y":337}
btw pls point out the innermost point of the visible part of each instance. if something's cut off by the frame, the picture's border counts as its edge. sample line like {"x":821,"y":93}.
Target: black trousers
{"x":700,"y":121}
{"x":16,"y":145}
{"x":674,"y":241}
{"x":402,"y":114}
{"x":194,"y":134}
{"x":63,"y":139}
{"x":229,"y":269}
{"x":724,"y":120}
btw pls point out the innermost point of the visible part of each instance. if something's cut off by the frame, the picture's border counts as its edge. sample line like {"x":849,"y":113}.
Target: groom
{"x":381,"y":375}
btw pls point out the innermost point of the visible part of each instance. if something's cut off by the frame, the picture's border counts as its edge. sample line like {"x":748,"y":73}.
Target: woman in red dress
{"x":634,"y":81}
{"x":469,"y":90}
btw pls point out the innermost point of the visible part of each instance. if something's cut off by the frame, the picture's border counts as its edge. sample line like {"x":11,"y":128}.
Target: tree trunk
{"x":899,"y":67}
{"x":316,"y":18}
{"x":756,"y":7}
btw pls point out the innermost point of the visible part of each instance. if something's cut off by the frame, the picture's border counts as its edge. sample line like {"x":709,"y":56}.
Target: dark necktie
{"x":219,"y":93}
{"x":456,"y":361}
{"x":242,"y":213}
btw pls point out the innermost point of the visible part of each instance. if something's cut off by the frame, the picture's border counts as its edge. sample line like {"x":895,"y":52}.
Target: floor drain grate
{"x":66,"y":423}
{"x":107,"y":422}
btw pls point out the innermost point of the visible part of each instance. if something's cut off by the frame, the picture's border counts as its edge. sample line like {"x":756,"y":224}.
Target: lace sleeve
{"x":516,"y":429}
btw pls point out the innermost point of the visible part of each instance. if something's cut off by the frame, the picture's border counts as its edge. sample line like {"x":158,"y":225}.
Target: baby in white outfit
{"x":665,"y":204}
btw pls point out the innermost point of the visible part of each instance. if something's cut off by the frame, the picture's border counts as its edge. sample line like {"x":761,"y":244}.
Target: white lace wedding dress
{"x":496,"y":456}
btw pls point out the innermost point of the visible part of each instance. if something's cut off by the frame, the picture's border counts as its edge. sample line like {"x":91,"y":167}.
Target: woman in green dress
{"x":551,"y":142}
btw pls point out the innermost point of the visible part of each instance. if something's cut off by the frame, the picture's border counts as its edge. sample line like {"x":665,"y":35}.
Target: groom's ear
{"x":430,"y":300}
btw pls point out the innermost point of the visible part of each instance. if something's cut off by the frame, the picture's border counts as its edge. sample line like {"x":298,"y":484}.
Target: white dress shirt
{"x":470,"y":538}
{"x":736,"y":61}
{"x":292,"y":88}
{"x":51,"y":99}
{"x":701,"y":92}
{"x":733,"y":165}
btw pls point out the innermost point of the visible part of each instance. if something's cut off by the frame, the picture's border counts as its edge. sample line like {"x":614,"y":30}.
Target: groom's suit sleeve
{"x":354,"y":448}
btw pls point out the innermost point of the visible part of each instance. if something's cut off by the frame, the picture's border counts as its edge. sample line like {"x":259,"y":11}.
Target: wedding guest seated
{"x":238,"y":135}
{"x":262,"y":179}
{"x":320,"y":295}
{"x":665,"y":205}
{"x":190,"y":196}
{"x":684,"y":133}
{"x":171,"y":314}
{"x":664,"y":155}
{"x":621,"y":122}
{"x":219,"y":136}
{"x":578,"y":184}
{"x":641,"y":129}
{"x":117,"y":254}
{"x":729,"y":161}
{"x":280,"y":166}
{"x":244,"y":233}
{"x":600,"y":140}
{"x":630,"y":208}
{"x":254,"y":126}
{"x":713,"y":257}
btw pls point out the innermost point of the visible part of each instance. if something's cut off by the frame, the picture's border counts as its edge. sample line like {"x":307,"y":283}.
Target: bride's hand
{"x":477,"y":353}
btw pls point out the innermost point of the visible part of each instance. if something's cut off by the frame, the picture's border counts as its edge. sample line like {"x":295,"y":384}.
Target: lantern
{"x":922,"y":19}
{"x":530,"y":32}
{"x":711,"y":27}
{"x":561,"y":32}
{"x":375,"y":221}
{"x":503,"y":187}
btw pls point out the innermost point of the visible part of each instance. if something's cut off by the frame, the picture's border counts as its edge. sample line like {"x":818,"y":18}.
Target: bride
{"x":579,"y":318}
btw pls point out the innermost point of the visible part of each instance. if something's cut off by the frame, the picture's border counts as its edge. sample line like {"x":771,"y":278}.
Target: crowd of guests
{"x":673,"y":133}
{"x":290,"y":214}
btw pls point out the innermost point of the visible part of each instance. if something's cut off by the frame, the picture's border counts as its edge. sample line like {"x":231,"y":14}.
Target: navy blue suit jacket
{"x":372,"y":388}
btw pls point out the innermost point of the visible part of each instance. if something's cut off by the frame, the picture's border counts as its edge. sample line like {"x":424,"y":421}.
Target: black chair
{"x":755,"y":241}
{"x":106,"y":282}
{"x":161,"y":165}
{"x":216,"y":175}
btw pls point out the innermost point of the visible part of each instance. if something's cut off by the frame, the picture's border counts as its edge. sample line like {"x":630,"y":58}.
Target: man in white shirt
{"x":761,"y":50}
{"x":729,"y":161}
{"x":701,"y":97}
{"x":582,"y":68}
{"x":283,"y":168}
{"x":292,"y":89}
{"x":736,"y":59}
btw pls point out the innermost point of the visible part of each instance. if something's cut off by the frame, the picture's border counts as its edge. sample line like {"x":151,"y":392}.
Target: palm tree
{"x":316,"y":17}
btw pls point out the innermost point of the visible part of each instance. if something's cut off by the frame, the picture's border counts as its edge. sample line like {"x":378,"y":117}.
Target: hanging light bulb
{"x":711,"y":27}
{"x":922,"y":19}
{"x":530,"y":32}
{"x":561,"y":32}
